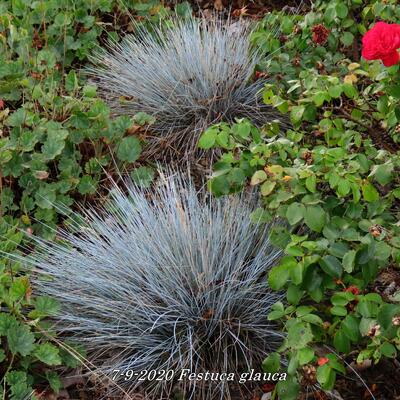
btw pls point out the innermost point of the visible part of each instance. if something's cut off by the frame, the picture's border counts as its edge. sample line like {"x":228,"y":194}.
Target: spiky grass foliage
{"x":188,"y":75}
{"x":168,"y":281}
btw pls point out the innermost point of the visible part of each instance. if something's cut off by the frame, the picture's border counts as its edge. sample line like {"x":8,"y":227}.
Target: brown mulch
{"x":378,"y":382}
{"x":383,"y":380}
{"x":249,"y":8}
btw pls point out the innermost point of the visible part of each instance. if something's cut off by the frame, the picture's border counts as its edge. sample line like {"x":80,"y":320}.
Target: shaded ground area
{"x":253,"y":8}
{"x":382,"y":381}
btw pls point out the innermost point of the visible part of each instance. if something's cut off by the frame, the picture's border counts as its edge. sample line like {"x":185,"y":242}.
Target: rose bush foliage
{"x":333,"y":178}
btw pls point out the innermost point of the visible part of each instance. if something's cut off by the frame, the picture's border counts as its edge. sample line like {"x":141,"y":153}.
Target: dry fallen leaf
{"x":133,"y":129}
{"x":351,"y":78}
{"x":41,"y":175}
{"x":353,"y":66}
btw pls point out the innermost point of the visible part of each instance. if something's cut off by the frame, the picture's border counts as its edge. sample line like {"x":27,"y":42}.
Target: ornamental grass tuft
{"x":188,"y":75}
{"x":171,"y":279}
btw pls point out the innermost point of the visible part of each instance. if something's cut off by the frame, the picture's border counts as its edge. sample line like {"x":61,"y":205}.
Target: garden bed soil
{"x":249,"y":7}
{"x":382,"y":381}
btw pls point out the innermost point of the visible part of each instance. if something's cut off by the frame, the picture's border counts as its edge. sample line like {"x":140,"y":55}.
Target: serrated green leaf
{"x":143,"y":176}
{"x":87,"y":185}
{"x":19,"y":288}
{"x":44,"y":306}
{"x":7,"y":322}
{"x":2,"y":355}
{"x":54,"y":381}
{"x":48,"y":354}
{"x":20,"y":340}
{"x":129,"y":149}
{"x":71,"y":81}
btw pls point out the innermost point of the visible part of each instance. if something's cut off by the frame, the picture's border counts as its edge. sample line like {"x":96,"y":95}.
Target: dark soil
{"x":376,"y":382}
{"x":383,"y":381}
{"x":250,"y":8}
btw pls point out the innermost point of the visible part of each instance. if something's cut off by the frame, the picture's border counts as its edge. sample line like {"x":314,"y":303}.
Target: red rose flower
{"x":320,"y":34}
{"x":381,"y":43}
{"x":1,"y":104}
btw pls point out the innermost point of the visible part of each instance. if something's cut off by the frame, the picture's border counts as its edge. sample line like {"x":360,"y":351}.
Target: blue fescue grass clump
{"x":167,"y":280}
{"x":188,"y":75}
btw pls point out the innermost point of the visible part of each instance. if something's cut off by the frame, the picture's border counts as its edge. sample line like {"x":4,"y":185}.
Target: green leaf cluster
{"x":333,"y":178}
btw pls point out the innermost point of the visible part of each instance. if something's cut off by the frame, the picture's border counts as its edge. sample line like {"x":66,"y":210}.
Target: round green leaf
{"x":129,"y":149}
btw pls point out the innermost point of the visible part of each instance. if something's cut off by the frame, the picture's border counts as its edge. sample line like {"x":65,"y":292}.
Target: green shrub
{"x":56,"y":140}
{"x":27,"y":352}
{"x":334,"y":178}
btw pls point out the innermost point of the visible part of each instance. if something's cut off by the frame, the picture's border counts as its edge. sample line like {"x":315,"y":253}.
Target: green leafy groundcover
{"x":334,"y":178}
{"x":56,"y":140}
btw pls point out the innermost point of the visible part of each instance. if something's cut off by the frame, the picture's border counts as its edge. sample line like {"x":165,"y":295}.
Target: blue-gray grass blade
{"x":188,"y":74}
{"x":168,"y":280}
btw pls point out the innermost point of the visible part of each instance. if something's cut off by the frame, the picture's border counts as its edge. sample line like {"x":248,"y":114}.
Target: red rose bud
{"x":320,"y":34}
{"x":1,"y":104}
{"x":381,"y":43}
{"x":322,"y":361}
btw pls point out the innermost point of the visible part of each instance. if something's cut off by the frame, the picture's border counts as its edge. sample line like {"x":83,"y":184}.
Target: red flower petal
{"x":381,"y":43}
{"x":322,"y":361}
{"x":391,"y":59}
